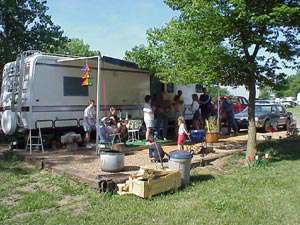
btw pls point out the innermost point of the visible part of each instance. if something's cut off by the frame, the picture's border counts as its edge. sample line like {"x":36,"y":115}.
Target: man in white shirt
{"x":89,"y":120}
{"x":148,"y":116}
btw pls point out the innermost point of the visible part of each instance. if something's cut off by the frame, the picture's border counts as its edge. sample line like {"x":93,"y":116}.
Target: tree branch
{"x":253,"y":56}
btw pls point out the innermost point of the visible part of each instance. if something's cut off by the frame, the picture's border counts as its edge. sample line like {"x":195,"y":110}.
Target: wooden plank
{"x":148,"y":188}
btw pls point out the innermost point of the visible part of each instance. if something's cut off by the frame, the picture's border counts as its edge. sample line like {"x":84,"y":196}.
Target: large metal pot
{"x":111,"y":161}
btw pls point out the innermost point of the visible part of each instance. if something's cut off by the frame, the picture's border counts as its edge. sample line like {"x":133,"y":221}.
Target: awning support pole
{"x":98,"y":105}
{"x":218,"y":100}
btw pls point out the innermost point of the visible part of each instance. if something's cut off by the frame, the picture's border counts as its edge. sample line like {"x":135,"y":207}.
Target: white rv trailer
{"x":51,"y":94}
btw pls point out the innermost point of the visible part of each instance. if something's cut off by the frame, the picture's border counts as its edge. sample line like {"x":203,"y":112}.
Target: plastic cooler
{"x":197,"y":136}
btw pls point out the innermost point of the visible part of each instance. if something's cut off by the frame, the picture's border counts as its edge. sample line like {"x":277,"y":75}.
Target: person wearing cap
{"x":89,"y":121}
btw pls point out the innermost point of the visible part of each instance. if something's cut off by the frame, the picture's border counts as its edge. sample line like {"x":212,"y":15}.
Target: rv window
{"x":170,"y":88}
{"x":73,"y":87}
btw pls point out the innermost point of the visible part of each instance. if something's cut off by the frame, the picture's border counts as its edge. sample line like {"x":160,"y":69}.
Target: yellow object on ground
{"x":149,"y":182}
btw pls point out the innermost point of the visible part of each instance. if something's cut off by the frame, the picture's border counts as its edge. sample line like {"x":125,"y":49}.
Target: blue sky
{"x":111,"y":26}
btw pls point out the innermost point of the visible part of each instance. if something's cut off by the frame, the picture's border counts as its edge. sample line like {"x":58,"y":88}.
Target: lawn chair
{"x":134,"y":127}
{"x":106,"y":141}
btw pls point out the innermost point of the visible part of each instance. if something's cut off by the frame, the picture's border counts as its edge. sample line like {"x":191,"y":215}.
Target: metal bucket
{"x":111,"y":161}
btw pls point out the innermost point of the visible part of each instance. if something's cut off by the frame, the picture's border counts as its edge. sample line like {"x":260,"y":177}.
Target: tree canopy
{"x":265,"y":93}
{"x":223,"y":41}
{"x":77,"y":47}
{"x":231,"y":42}
{"x":290,"y":88}
{"x":213,"y":92}
{"x":25,"y":25}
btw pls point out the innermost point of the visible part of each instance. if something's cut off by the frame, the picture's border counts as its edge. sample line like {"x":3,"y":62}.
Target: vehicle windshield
{"x":263,"y":109}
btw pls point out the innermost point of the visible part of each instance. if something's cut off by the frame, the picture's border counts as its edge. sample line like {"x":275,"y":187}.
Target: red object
{"x":181,"y":139}
{"x":239,"y":103}
{"x":86,"y":80}
{"x":249,"y":158}
{"x":271,"y":129}
{"x":104,"y":94}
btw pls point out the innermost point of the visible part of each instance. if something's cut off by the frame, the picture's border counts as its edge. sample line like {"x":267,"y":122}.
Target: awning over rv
{"x":100,"y":64}
{"x":97,"y":60}
{"x":108,"y":63}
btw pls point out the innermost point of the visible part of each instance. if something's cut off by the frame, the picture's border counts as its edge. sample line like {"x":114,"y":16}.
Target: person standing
{"x":89,"y":121}
{"x":196,"y":112}
{"x":182,"y":133}
{"x":227,"y":109}
{"x":205,"y":104}
{"x":162,"y":122}
{"x":148,"y":116}
{"x":178,"y":104}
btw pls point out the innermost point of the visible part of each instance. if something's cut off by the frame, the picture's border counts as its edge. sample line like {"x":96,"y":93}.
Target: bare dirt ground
{"x":84,"y":164}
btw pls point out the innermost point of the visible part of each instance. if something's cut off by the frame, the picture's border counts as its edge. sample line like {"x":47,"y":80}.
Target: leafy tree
{"x":25,"y":25}
{"x":213,"y":92}
{"x":231,"y":42}
{"x":265,"y":93}
{"x":77,"y":47}
{"x":290,"y":88}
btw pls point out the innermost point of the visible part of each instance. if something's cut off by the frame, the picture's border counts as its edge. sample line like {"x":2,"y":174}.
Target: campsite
{"x":185,"y":115}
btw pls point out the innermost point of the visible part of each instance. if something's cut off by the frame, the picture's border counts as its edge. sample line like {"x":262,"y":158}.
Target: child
{"x":182,"y":133}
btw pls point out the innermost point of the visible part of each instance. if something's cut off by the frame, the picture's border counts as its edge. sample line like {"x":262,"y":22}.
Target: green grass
{"x":295,"y":110}
{"x":236,"y":195}
{"x":142,"y":143}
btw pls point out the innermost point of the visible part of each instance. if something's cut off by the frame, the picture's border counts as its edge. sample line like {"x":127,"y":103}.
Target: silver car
{"x":265,"y":113}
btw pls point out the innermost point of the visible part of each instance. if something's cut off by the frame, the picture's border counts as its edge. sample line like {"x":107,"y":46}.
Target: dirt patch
{"x":76,"y":204}
{"x":19,"y":216}
{"x":219,"y":164}
{"x":70,"y":199}
{"x":38,"y":185}
{"x":10,"y":200}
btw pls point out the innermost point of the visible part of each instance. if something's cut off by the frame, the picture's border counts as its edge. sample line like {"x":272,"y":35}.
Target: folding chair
{"x":134,"y":127}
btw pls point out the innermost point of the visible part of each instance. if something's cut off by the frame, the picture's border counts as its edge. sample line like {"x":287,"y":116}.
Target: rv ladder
{"x":30,"y":139}
{"x":17,"y":80}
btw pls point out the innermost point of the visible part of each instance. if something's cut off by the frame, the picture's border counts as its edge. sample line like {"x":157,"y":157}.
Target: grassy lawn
{"x":232,"y":194}
{"x":295,"y":110}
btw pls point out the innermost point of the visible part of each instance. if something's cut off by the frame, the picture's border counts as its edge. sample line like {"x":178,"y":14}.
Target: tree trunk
{"x":251,"y":144}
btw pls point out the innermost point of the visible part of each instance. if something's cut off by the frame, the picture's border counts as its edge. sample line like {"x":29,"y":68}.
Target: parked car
{"x":263,"y":114}
{"x":289,"y":104}
{"x":265,"y":101}
{"x":239,"y":103}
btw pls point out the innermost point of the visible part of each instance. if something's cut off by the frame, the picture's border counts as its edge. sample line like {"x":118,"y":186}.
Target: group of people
{"x":110,"y":125}
{"x":203,"y":107}
{"x":157,"y":111}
